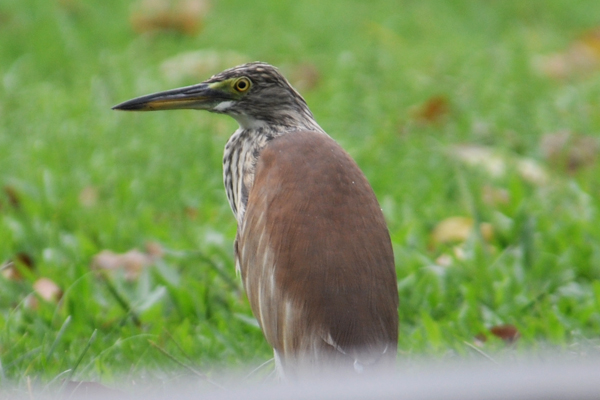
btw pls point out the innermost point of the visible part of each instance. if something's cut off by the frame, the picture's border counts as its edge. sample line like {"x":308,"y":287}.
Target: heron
{"x":312,"y":245}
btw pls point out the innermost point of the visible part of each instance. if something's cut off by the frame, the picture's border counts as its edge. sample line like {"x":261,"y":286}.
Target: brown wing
{"x":316,"y":258}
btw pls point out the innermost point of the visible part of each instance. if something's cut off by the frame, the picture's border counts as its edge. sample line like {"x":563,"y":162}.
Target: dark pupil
{"x":242,"y":85}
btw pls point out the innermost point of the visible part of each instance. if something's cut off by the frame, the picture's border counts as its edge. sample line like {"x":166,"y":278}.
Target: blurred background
{"x":476,"y":122}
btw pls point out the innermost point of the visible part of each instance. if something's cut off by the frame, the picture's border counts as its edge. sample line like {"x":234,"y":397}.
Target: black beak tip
{"x":126,"y":106}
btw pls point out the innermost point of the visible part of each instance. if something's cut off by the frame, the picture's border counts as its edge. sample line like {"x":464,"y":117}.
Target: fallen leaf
{"x":88,"y":197}
{"x":13,"y":196}
{"x":532,"y":171}
{"x":183,"y":16}
{"x":197,"y":65}
{"x":581,"y":57}
{"x":480,"y":156}
{"x":497,"y":165}
{"x":191,"y":213}
{"x":494,"y":196}
{"x":132,"y":262}
{"x":433,"y":110}
{"x":458,"y":229}
{"x":10,"y":270}
{"x":155,"y":250}
{"x":47,"y":290}
{"x":570,"y":151}
{"x":26,"y":260}
{"x":553,"y":144}
{"x":5,"y":18}
{"x":71,"y":6}
{"x":31,"y":302}
{"x":508,"y":333}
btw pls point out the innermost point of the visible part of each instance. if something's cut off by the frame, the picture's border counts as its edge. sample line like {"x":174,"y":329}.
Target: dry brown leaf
{"x":5,"y":17}
{"x":581,"y":57}
{"x":31,"y":302}
{"x":458,"y":229}
{"x":433,"y":110}
{"x":155,"y":250}
{"x":570,"y":151}
{"x":13,"y":197}
{"x":508,"y":333}
{"x":88,"y":197}
{"x":47,"y":290}
{"x":480,"y":156}
{"x":496,"y":165}
{"x":191,"y":213}
{"x":11,"y":272}
{"x":26,"y":260}
{"x":184,"y":16}
{"x":553,"y":144}
{"x":71,"y":6}
{"x":197,"y":65}
{"x":131,"y":262}
{"x":494,"y":196}
{"x":531,"y":171}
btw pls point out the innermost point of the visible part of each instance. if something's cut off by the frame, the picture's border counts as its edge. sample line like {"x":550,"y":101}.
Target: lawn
{"x":461,"y":113}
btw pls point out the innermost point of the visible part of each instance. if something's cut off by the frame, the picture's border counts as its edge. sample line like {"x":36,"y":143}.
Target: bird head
{"x":255,"y":94}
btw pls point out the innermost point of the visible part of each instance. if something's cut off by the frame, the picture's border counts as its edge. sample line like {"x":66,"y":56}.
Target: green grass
{"x":64,"y":64}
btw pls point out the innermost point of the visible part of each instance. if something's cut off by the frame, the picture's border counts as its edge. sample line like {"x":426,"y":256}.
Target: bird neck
{"x":241,"y":156}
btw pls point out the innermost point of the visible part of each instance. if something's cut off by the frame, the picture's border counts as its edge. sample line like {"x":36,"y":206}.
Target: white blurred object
{"x":543,"y":378}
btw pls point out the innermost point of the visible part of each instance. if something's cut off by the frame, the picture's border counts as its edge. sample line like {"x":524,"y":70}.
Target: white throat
{"x":247,"y":122}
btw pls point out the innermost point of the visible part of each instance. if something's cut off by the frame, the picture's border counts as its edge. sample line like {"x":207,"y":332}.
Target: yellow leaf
{"x":458,"y":229}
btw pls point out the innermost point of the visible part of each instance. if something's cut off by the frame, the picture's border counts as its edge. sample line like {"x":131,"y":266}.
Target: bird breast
{"x":316,"y":257}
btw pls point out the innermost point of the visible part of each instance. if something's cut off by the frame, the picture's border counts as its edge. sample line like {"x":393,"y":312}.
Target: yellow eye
{"x":242,"y":85}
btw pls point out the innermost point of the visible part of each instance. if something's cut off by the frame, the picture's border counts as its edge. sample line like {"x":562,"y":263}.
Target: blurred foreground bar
{"x":524,"y":381}
{"x":542,"y":379}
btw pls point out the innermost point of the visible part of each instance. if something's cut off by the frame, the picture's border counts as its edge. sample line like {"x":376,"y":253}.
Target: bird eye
{"x":242,"y":85}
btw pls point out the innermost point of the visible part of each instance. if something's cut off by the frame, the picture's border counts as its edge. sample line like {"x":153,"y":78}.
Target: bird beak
{"x":199,"y":97}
